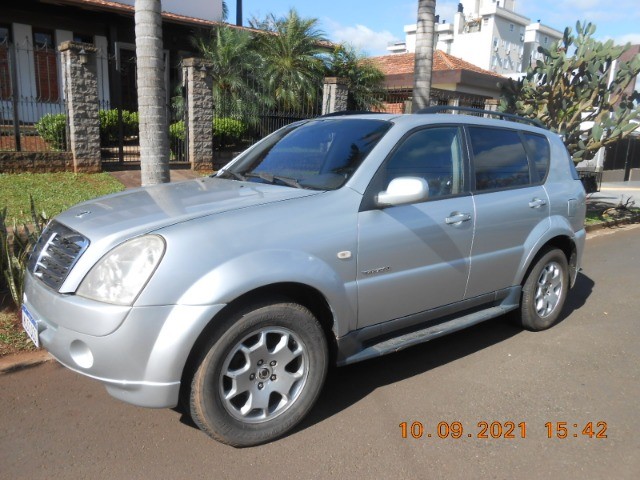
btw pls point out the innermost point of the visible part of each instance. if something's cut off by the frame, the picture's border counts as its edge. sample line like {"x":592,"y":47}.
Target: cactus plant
{"x":581,"y":89}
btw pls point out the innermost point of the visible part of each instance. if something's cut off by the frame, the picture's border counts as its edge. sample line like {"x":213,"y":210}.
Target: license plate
{"x":30,"y":326}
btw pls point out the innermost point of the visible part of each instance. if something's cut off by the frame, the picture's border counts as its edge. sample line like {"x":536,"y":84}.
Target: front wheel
{"x":261,"y":375}
{"x":544,"y":291}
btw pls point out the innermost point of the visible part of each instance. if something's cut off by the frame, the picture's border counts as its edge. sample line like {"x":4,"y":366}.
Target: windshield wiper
{"x":236,"y":175}
{"x":270,"y":178}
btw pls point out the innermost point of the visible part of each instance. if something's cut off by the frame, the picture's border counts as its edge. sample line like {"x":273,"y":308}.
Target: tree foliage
{"x":290,"y":50}
{"x":580,"y":90}
{"x":282,"y":64}
{"x":364,"y":79}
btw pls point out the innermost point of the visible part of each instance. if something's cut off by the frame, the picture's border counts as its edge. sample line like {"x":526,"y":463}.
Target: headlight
{"x":121,"y":274}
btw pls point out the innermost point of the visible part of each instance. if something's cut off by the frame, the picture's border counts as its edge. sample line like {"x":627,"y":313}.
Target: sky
{"x":370,"y":25}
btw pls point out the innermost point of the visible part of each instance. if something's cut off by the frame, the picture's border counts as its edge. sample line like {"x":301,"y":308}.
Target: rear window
{"x":499,"y":159}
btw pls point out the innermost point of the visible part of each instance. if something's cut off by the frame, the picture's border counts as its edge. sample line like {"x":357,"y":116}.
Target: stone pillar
{"x":199,"y":111}
{"x":334,"y":95}
{"x":80,"y":80}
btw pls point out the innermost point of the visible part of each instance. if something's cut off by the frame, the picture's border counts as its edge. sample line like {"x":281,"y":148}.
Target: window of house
{"x":4,"y":34}
{"x":45,"y":66}
{"x":5,"y":71}
{"x":485,"y":21}
{"x":511,"y":27}
{"x":495,"y":41}
{"x":499,"y":159}
{"x":82,"y":38}
{"x":546,"y":40}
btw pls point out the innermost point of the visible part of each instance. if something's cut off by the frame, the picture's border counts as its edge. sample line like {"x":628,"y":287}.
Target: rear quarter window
{"x":539,"y":153}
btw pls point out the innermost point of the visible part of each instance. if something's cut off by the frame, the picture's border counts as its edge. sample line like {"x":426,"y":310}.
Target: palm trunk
{"x":424,"y":54}
{"x":152,"y":97}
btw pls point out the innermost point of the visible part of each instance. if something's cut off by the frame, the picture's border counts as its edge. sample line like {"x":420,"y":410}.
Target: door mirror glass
{"x":403,"y":190}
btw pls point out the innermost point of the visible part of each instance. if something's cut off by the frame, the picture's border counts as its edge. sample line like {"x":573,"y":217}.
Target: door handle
{"x":537,"y":203}
{"x":457,"y":218}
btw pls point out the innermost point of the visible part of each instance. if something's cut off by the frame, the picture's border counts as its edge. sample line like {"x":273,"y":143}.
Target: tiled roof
{"x":124,"y":8}
{"x":117,"y":7}
{"x":404,"y":63}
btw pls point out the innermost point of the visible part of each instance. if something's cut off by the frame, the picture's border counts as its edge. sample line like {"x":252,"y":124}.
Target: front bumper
{"x":141,"y":357}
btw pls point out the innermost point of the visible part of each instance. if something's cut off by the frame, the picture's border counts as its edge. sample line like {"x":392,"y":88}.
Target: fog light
{"x":81,"y":354}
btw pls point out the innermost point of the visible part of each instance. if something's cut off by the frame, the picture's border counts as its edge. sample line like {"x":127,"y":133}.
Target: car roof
{"x":411,"y":120}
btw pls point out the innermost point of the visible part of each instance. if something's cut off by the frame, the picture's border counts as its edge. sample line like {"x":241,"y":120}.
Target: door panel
{"x":413,"y":258}
{"x":410,"y":260}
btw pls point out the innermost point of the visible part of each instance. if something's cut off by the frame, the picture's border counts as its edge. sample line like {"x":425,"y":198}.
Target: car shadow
{"x":577,"y":296}
{"x":348,"y":385}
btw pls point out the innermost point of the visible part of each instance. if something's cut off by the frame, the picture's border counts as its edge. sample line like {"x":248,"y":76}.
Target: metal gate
{"x":32,"y":110}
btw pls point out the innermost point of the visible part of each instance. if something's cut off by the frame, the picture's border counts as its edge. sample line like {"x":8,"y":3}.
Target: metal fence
{"x":32,"y":110}
{"x":33,"y":114}
{"x":248,"y":113}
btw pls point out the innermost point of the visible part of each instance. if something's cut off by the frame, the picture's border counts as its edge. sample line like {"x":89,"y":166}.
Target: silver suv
{"x":334,"y":240}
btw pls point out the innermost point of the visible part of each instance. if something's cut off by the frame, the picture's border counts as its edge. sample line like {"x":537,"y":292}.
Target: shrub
{"x":16,"y":244}
{"x":53,"y":129}
{"x":228,"y":131}
{"x":109,"y":129}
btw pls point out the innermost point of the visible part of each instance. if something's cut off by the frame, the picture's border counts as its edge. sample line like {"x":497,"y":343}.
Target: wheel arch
{"x":299,"y":293}
{"x":562,"y":242}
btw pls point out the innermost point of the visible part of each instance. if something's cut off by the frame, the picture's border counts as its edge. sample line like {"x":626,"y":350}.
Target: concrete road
{"x":586,"y":370}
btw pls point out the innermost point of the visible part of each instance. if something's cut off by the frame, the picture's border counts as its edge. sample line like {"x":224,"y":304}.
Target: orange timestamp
{"x":505,"y":430}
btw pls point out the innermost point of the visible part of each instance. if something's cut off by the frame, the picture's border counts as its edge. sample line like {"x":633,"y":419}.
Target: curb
{"x":613,"y":223}
{"x":21,"y":361}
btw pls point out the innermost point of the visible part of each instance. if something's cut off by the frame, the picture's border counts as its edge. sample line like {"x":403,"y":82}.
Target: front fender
{"x":248,"y":272}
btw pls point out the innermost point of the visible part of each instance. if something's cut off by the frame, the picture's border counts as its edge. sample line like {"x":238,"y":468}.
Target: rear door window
{"x":499,"y":159}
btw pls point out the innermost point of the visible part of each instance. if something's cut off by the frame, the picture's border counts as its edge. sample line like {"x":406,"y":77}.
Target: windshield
{"x":320,"y":154}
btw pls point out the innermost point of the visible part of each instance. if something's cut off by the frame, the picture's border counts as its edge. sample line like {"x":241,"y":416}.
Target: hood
{"x":146,"y":209}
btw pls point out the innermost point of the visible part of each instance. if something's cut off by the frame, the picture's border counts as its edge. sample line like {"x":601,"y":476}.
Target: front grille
{"x":55,"y":254}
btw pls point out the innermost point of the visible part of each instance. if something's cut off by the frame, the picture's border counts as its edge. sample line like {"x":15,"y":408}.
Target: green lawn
{"x":52,"y":192}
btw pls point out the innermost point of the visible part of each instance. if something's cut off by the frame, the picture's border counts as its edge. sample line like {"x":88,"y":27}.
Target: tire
{"x":544,"y":291}
{"x":260,"y":375}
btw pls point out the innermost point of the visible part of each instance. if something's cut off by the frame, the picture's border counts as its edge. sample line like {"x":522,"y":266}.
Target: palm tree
{"x":291,"y":67}
{"x":424,"y":54}
{"x":154,"y":141}
{"x":364,"y":79}
{"x":233,"y":70}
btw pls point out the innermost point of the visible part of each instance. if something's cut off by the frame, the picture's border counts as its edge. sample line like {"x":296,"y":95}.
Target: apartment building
{"x":490,"y":34}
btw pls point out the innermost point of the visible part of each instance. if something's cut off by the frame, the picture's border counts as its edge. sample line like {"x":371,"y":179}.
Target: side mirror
{"x":403,"y":190}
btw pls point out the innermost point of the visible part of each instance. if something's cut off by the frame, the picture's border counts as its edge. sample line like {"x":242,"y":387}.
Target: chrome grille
{"x":55,"y":254}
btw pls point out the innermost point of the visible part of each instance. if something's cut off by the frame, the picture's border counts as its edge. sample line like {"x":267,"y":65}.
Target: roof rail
{"x":486,"y":113}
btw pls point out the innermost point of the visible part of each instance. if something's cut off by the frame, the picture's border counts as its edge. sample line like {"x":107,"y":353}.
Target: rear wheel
{"x":261,"y":375}
{"x":544,"y":291}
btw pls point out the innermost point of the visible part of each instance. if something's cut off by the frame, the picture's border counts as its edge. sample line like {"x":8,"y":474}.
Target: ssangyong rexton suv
{"x":336,"y":239}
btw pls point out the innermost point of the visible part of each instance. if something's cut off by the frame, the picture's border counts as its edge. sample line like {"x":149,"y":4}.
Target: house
{"x":454,"y":81}
{"x":488,"y":33}
{"x":31,"y":30}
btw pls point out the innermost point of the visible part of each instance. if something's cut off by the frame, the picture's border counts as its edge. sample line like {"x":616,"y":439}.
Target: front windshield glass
{"x":320,"y":154}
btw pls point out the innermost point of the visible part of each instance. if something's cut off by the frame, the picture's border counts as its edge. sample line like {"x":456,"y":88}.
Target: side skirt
{"x":396,"y":335}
